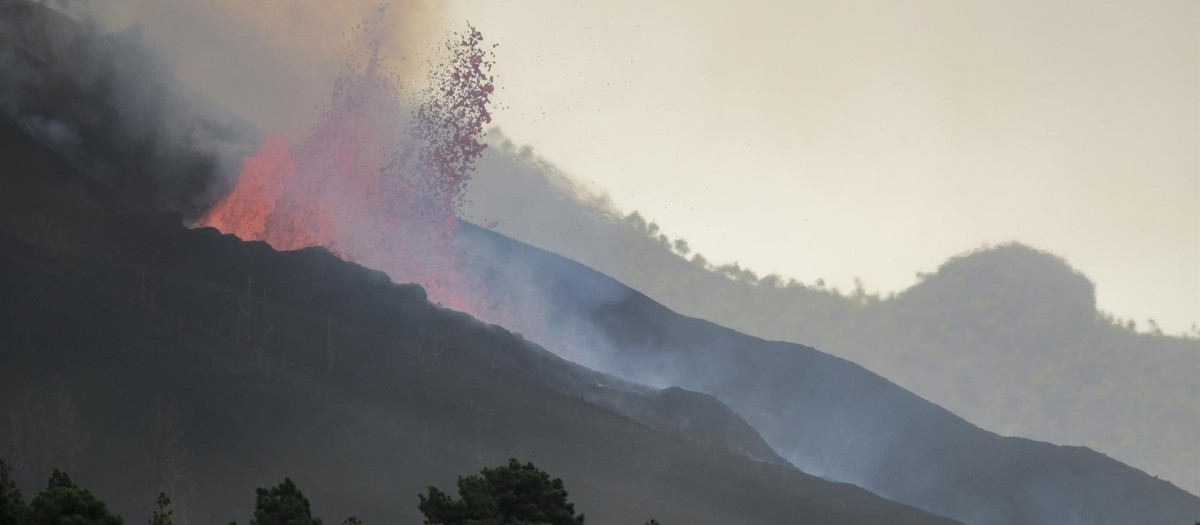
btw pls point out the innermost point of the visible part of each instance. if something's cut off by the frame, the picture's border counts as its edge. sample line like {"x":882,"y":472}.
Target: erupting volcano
{"x":380,"y":178}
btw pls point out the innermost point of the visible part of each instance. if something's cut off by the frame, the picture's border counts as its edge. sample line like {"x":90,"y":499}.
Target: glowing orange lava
{"x":373,"y":182}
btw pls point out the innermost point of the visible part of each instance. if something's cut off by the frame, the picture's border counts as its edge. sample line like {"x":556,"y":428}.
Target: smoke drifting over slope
{"x":326,"y":372}
{"x":365,"y":187}
{"x":161,"y":100}
{"x":1008,"y":337}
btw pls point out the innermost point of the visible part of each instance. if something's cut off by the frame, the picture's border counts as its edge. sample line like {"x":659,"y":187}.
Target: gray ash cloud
{"x":108,"y":104}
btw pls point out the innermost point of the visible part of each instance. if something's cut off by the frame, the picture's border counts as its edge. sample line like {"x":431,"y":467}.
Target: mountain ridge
{"x":1016,"y":374}
{"x":827,"y":415}
{"x":141,"y":356}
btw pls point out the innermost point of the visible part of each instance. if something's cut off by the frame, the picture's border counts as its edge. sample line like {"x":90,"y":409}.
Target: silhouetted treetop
{"x":513,"y":494}
{"x":65,"y":503}
{"x":283,"y":504}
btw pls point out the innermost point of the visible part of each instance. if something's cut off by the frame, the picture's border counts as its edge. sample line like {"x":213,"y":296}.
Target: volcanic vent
{"x":380,"y":177}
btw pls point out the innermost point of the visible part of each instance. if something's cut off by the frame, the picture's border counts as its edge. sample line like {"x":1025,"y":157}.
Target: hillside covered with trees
{"x":1008,"y":336}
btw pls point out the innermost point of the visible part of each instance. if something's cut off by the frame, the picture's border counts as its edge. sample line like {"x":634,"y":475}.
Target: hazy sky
{"x":811,"y":139}
{"x":272,"y":62}
{"x":875,"y":139}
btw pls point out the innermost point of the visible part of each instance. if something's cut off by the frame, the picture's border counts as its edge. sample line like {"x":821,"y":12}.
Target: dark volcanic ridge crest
{"x":204,"y":365}
{"x":235,"y":363}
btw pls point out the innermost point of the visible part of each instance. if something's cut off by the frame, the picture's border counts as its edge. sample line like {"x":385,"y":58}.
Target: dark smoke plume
{"x":111,"y":106}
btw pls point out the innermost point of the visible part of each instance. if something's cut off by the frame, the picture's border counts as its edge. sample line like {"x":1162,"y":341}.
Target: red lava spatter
{"x":380,"y":179}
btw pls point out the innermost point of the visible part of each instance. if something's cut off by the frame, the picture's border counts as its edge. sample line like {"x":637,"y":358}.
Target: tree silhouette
{"x":513,"y":494}
{"x":162,"y":514}
{"x":12,"y":504}
{"x":65,"y":503}
{"x":283,"y":504}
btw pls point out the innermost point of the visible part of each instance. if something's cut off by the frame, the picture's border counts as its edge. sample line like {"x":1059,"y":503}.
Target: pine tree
{"x":282,"y":505}
{"x":12,"y":503}
{"x":65,"y":502}
{"x":162,"y":515}
{"x":506,"y":495}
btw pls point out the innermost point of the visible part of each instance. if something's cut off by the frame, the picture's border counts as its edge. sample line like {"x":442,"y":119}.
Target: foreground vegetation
{"x":512,"y":494}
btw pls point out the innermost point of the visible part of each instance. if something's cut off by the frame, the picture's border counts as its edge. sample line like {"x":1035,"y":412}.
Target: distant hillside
{"x":1008,"y":337}
{"x":141,"y":356}
{"x":826,"y":415}
{"x":229,"y":359}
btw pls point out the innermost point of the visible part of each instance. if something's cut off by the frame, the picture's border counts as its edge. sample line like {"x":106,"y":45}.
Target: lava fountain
{"x":380,"y":178}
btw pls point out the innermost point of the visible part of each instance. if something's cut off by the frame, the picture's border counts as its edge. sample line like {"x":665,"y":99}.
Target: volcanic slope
{"x":138,"y":354}
{"x":826,"y":415}
{"x":1008,"y":337}
{"x":114,"y":289}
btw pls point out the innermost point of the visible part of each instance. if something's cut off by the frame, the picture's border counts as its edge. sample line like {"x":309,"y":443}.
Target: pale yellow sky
{"x":837,"y":139}
{"x":813,"y":139}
